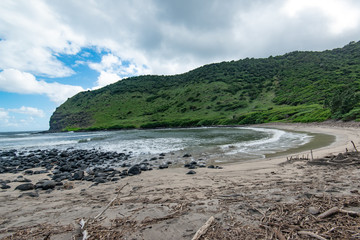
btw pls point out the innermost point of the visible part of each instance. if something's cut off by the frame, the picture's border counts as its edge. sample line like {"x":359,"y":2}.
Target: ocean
{"x":216,"y":144}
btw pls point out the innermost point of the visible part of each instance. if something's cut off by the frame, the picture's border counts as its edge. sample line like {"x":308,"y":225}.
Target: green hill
{"x":295,"y":87}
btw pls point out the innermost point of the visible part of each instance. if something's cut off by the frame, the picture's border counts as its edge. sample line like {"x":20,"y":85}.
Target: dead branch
{"x":350,"y":213}
{"x":83,"y":223}
{"x":311,"y":235}
{"x":335,"y":210}
{"x":354,"y":146}
{"x":329,"y":212}
{"x":204,"y":228}
{"x":109,"y":204}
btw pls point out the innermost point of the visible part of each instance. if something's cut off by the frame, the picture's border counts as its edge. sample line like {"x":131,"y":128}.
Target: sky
{"x":51,"y":50}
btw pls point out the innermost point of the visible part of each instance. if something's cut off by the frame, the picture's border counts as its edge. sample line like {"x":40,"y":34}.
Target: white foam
{"x":152,"y":142}
{"x":148,"y":146}
{"x":277,"y":140}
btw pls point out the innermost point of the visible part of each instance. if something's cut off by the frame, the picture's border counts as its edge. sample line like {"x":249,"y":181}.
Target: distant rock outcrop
{"x":60,"y":121}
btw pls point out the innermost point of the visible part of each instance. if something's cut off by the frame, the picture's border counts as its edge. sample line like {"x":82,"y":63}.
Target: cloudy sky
{"x":51,"y":50}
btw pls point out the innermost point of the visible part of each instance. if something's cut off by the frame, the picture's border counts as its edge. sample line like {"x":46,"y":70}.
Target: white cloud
{"x":342,"y":16}
{"x":32,"y":34}
{"x":106,"y":78}
{"x":59,"y":93}
{"x":12,"y":80}
{"x":112,"y":69}
{"x":29,"y":118}
{"x":4,"y":115}
{"x":29,"y":111}
{"x":108,"y":62}
{"x":173,"y":37}
{"x":166,"y":37}
{"x":6,"y":120}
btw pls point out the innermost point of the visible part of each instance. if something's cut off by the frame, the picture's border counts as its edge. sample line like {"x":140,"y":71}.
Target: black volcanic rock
{"x":25,"y":187}
{"x":163,"y":166}
{"x":4,"y":186}
{"x":46,"y":184}
{"x":79,"y":175}
{"x":99,"y":180}
{"x":134,"y":170}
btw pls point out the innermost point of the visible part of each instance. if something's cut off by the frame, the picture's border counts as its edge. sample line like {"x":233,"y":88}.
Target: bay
{"x":212,"y":144}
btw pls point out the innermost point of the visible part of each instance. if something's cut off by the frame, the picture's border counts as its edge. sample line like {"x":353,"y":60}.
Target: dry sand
{"x":245,"y":199}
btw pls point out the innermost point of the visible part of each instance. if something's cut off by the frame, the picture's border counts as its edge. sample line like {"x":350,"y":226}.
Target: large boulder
{"x":49,"y":184}
{"x":25,"y":187}
{"x":134,"y":170}
{"x":79,"y":175}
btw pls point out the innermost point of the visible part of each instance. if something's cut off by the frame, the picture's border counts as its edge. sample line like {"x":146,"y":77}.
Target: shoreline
{"x":344,"y":133}
{"x":173,"y":205}
{"x":208,"y":155}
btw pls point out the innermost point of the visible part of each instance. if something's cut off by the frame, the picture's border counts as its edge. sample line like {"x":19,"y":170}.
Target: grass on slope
{"x":295,"y":87}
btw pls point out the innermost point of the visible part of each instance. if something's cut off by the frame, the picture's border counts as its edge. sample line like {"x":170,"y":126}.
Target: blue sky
{"x":51,"y":50}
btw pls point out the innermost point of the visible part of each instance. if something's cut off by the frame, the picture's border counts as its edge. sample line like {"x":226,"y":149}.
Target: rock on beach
{"x":25,"y":187}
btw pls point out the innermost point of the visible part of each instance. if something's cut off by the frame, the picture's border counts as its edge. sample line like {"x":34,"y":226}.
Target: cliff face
{"x":60,"y":121}
{"x":295,"y":87}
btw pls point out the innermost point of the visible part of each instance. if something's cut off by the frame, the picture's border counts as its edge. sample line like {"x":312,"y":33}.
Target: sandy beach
{"x":261,"y":199}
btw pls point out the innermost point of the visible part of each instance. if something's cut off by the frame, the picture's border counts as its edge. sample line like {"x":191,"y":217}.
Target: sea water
{"x":221,"y":144}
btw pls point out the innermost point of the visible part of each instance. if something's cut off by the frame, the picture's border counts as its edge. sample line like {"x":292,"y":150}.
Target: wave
{"x":240,"y":142}
{"x":147,"y":146}
{"x":42,"y":145}
{"x":275,"y":141}
{"x":86,"y":140}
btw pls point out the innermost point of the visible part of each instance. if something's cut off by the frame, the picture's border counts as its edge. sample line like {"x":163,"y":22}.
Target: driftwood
{"x":335,"y":210}
{"x":354,"y":146}
{"x":350,"y":213}
{"x":311,"y":235}
{"x":109,"y":204}
{"x":83,"y":223}
{"x":341,"y":160}
{"x":203,"y":229}
{"x":329,"y":212}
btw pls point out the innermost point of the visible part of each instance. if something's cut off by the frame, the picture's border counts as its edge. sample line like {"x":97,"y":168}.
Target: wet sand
{"x":169,"y":204}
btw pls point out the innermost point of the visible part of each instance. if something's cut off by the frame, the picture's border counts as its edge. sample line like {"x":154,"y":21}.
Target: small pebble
{"x":313,"y":210}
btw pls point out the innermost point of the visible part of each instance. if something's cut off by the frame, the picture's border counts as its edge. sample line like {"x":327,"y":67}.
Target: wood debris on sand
{"x":319,"y":201}
{"x":335,"y":219}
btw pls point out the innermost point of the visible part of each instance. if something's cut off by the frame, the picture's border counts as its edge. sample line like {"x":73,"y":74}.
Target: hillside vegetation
{"x":295,"y":87}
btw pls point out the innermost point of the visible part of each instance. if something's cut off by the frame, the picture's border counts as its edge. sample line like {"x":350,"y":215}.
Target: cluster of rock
{"x":72,"y":164}
{"x":13,"y":161}
{"x":195,"y":164}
